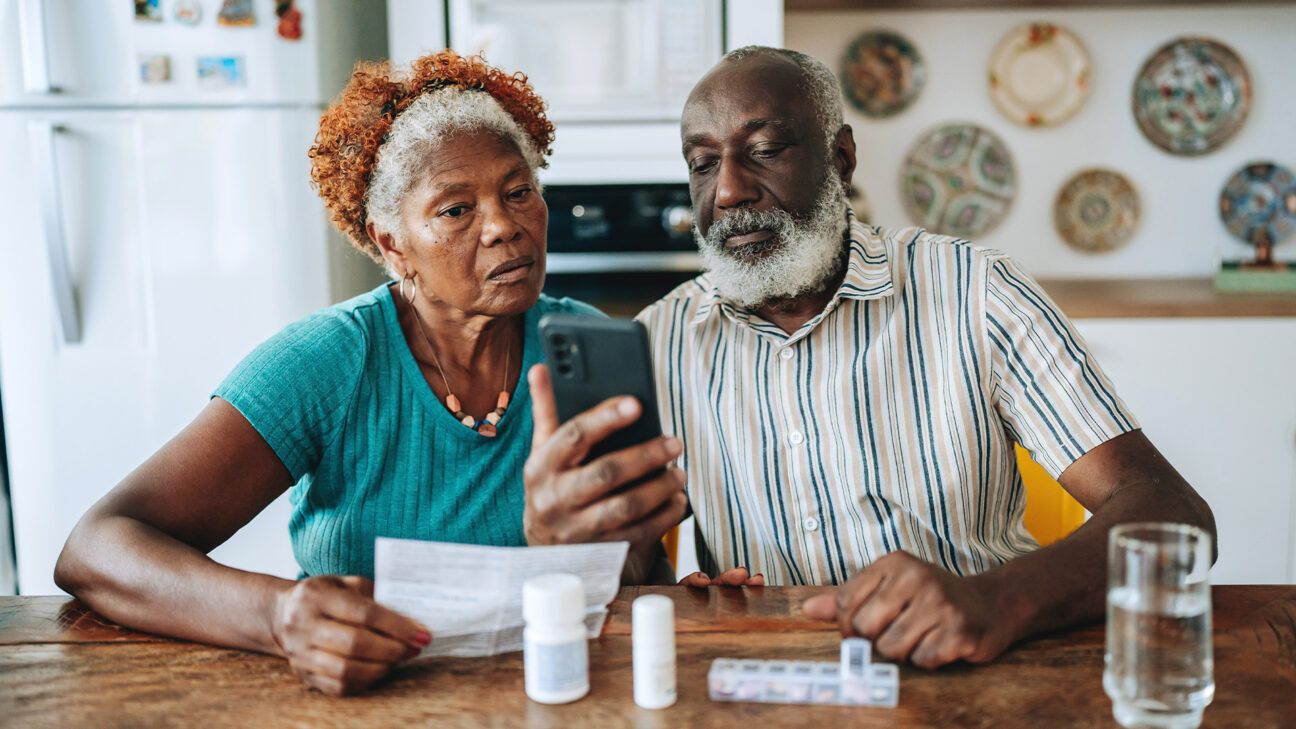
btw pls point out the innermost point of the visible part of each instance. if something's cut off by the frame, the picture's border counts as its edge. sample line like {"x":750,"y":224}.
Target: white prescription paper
{"x":470,"y":597}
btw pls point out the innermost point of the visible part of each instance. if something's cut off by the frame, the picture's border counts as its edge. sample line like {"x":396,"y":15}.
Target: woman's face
{"x":474,"y":227}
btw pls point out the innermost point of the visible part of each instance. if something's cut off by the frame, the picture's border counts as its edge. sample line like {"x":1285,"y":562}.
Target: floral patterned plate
{"x":882,"y":73}
{"x":1039,"y":75}
{"x":1258,"y":204}
{"x":958,"y":179}
{"x":1096,"y":210}
{"x":1192,"y":96}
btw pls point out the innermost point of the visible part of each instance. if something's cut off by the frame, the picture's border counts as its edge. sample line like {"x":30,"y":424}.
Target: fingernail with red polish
{"x":422,"y":638}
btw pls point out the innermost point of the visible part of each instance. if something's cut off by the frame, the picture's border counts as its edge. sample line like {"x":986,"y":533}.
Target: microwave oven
{"x":597,"y":60}
{"x":615,"y":73}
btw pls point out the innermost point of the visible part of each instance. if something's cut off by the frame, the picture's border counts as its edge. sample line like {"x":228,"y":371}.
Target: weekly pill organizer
{"x":853,"y":681}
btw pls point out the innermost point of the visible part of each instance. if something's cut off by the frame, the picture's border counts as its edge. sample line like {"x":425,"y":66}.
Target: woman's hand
{"x":570,"y":502}
{"x":337,"y":639}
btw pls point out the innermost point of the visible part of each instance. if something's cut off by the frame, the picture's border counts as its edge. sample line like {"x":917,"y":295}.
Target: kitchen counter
{"x":1120,"y":299}
{"x":61,"y":665}
{"x":1161,"y":298}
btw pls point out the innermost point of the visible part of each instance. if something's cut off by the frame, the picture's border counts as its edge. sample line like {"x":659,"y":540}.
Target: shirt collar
{"x":868,"y":276}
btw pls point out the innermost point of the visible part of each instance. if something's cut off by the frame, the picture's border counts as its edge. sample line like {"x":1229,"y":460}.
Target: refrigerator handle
{"x":35,"y":52}
{"x":41,"y":135}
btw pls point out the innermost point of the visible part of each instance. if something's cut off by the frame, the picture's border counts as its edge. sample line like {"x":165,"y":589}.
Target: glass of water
{"x":1159,"y":666}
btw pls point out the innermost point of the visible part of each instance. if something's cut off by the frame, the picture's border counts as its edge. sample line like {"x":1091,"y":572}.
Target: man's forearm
{"x":1065,"y":584}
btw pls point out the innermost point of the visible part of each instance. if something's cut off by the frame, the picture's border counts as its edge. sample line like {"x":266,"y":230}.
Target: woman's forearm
{"x":139,"y":577}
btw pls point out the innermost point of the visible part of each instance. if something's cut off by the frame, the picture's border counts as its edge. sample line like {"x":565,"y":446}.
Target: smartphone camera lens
{"x":559,"y":342}
{"x":564,"y":369}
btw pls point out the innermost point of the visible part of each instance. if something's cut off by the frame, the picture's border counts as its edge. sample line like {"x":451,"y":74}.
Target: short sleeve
{"x":1050,"y":393}
{"x":296,"y":386}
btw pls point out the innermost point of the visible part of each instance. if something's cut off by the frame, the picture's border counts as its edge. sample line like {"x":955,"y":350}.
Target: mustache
{"x":747,"y":220}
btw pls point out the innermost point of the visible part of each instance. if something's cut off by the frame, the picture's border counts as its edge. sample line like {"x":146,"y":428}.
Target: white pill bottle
{"x":653,"y":640}
{"x":555,"y":650}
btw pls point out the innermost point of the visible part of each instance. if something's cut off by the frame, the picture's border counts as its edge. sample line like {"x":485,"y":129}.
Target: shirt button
{"x":786,"y":354}
{"x":810,"y":523}
{"x":795,"y":437}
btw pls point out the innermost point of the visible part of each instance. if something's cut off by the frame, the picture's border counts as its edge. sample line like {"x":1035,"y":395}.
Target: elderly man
{"x":848,"y":397}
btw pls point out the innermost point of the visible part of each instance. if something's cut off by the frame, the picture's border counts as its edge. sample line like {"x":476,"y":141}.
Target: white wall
{"x":1180,"y":233}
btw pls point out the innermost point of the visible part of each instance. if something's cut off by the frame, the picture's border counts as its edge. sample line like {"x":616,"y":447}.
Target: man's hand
{"x":914,"y":611}
{"x":337,"y":639}
{"x":570,"y":502}
{"x":736,"y":577}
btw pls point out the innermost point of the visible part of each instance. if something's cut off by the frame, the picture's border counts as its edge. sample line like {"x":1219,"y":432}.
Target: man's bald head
{"x":794,"y":74}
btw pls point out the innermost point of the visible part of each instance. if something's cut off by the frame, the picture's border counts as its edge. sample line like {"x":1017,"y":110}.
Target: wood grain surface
{"x":1162,"y":298}
{"x":62,"y":667}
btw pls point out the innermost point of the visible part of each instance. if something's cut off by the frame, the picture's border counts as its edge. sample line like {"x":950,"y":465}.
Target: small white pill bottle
{"x":555,"y":650}
{"x":653,"y":639}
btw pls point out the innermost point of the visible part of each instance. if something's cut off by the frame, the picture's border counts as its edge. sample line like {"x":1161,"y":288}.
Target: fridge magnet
{"x":958,"y":179}
{"x":1096,"y":211}
{"x":236,"y":13}
{"x":187,"y":12}
{"x":154,"y":68}
{"x":218,"y":72}
{"x":148,"y":10}
{"x":1192,"y":96}
{"x":882,"y":73}
{"x":1039,"y":75}
{"x":289,"y":19}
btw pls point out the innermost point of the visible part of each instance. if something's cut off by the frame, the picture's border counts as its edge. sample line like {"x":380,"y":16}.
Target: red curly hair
{"x":354,"y":127}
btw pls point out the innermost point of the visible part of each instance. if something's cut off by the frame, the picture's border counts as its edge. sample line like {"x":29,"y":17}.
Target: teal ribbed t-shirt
{"x":341,"y":401}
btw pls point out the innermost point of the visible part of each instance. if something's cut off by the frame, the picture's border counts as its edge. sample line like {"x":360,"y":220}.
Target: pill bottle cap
{"x":653,"y":625}
{"x":553,"y":599}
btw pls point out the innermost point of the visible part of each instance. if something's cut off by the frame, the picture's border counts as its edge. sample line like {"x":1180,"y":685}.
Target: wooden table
{"x":63,"y":666}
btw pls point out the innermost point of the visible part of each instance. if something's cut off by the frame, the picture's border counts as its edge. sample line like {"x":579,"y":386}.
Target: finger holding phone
{"x":599,"y":468}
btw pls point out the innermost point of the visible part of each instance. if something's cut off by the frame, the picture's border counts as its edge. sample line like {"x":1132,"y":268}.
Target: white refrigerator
{"x":159,"y":224}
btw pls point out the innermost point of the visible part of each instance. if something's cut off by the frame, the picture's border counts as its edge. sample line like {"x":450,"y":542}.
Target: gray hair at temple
{"x":818,"y":81}
{"x":420,"y":130}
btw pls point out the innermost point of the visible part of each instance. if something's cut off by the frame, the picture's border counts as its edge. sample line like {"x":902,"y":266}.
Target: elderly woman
{"x":400,"y":413}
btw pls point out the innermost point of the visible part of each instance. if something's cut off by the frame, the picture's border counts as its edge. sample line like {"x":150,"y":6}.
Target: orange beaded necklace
{"x":489,"y":425}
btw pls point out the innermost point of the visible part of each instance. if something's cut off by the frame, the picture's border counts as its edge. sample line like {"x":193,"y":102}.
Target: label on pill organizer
{"x":557,"y":667}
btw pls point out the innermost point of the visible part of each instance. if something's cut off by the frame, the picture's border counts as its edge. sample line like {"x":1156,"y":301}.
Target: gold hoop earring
{"x":413,"y":292}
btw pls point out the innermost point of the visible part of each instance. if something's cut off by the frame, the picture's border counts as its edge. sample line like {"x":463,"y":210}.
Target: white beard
{"x":802,"y":256}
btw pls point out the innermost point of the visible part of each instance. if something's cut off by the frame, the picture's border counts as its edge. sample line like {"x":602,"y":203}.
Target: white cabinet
{"x":1218,"y":398}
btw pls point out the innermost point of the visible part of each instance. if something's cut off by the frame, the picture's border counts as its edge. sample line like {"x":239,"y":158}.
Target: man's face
{"x":767,"y":189}
{"x":751,"y":139}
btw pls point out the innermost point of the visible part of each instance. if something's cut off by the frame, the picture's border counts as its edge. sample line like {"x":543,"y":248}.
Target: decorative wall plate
{"x":1192,"y":96}
{"x":1039,"y":75}
{"x":1258,"y":204}
{"x":882,"y":73}
{"x":958,"y":179}
{"x":1096,"y":210}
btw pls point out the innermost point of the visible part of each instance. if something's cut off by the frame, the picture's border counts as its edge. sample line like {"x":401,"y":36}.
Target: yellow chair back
{"x":671,"y":543}
{"x":1051,"y":513}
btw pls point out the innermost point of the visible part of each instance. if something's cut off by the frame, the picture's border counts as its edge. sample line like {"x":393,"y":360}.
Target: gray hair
{"x":419,"y":129}
{"x":817,"y":80}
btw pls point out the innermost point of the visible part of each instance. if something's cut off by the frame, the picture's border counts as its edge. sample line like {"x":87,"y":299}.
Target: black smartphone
{"x":592,"y":359}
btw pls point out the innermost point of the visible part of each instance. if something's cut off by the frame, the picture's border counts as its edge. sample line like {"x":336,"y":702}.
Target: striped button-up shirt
{"x":885,"y":422}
